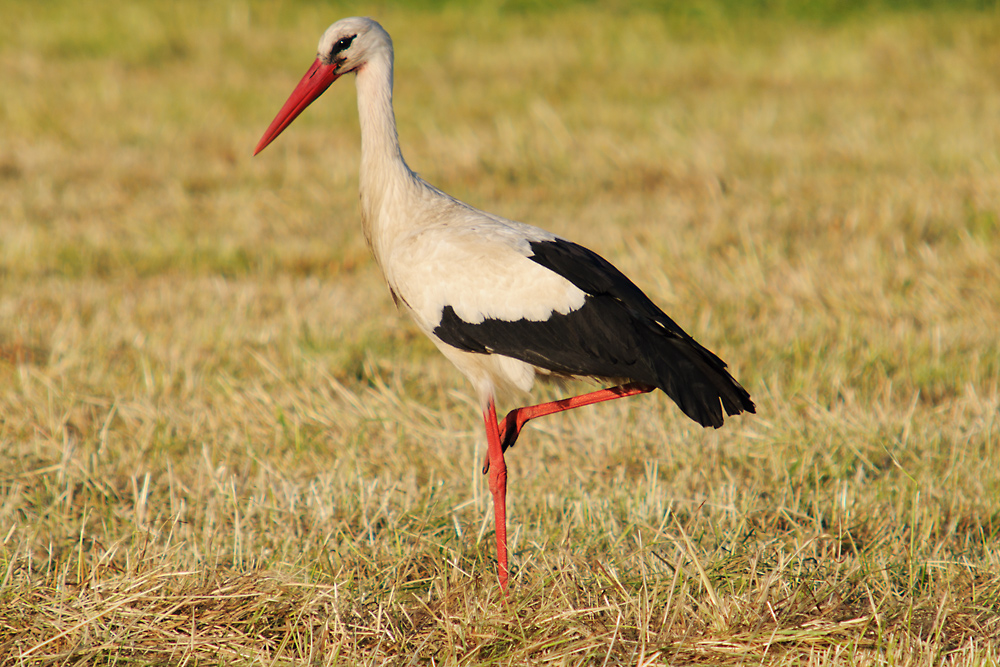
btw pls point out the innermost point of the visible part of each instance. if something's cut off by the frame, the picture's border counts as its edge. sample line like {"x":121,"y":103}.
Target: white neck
{"x":384,"y":173}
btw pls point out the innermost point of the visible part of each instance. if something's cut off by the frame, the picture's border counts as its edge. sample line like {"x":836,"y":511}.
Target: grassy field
{"x":221,"y":445}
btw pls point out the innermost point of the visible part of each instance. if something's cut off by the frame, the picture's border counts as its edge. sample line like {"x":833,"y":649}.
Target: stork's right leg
{"x":498,"y":487}
{"x":500,"y":436}
{"x":515,"y":420}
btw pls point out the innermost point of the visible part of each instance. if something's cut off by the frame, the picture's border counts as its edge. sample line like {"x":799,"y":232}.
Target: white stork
{"x":504,"y":301}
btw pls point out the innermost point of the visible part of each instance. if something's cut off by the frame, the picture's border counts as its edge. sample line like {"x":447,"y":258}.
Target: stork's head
{"x":345,"y":47}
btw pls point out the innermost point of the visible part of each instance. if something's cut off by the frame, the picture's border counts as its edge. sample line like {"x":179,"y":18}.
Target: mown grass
{"x":222,"y":445}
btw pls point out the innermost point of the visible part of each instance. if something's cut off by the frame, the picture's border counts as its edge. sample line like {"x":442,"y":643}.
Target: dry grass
{"x":221,"y":445}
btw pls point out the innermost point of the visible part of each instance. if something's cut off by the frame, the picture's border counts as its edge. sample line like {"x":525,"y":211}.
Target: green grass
{"x":220,"y":444}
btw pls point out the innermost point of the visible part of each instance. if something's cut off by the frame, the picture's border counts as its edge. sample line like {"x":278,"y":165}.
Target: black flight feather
{"x":618,"y":334}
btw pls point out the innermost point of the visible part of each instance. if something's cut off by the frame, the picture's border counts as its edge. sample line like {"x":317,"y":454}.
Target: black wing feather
{"x":618,"y":333}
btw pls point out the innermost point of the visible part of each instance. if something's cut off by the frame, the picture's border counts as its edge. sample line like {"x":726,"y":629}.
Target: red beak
{"x":313,"y":84}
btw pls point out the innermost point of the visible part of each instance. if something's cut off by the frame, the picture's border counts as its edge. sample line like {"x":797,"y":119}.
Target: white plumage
{"x":502,"y":300}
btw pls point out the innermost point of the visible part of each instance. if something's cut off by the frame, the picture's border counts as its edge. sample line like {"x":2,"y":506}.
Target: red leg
{"x":500,"y":436}
{"x":515,"y":420}
{"x":498,"y":487}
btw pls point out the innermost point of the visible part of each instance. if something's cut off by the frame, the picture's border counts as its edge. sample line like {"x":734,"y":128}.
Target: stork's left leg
{"x":515,"y":420}
{"x":498,"y":487}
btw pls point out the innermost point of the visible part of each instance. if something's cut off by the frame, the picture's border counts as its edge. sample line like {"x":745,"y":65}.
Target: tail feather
{"x":697,"y":381}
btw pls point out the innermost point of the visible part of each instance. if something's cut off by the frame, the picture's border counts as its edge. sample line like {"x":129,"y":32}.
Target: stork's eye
{"x":342,"y":44}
